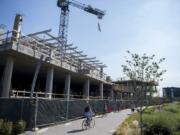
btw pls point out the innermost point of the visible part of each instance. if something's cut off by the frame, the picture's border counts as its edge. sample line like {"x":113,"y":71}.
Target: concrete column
{"x":67,"y":86}
{"x":101,"y":90}
{"x":7,"y":76}
{"x":112,"y":94}
{"x":49,"y":82}
{"x":86,"y":88}
{"x":121,"y":96}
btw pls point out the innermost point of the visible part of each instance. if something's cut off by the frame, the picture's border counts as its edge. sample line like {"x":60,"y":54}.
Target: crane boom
{"x":64,"y":5}
{"x":99,"y":13}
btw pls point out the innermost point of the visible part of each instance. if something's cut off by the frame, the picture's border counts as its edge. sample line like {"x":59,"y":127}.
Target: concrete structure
{"x":67,"y":88}
{"x":49,"y":82}
{"x":129,"y":89}
{"x":7,"y":76}
{"x":101,"y":90}
{"x":171,"y":92}
{"x":63,"y":71}
{"x":86,"y":88}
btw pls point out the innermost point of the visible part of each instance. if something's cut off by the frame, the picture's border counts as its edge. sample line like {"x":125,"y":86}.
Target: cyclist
{"x":88,"y":114}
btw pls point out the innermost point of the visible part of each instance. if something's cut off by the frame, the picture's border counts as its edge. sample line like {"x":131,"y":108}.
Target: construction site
{"x":44,"y":64}
{"x":59,"y":73}
{"x":44,"y":80}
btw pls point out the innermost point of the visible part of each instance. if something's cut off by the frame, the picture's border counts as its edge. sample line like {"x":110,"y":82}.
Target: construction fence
{"x":42,"y":112}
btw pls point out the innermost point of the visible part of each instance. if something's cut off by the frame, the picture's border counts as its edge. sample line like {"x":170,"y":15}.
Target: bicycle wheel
{"x":84,"y":125}
{"x":92,"y":123}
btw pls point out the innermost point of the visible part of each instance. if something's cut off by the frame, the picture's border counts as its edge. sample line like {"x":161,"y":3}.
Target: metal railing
{"x":5,"y":37}
{"x":43,"y":95}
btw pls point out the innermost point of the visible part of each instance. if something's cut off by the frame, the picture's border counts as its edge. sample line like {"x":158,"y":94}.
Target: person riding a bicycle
{"x":89,"y":121}
{"x":88,"y":113}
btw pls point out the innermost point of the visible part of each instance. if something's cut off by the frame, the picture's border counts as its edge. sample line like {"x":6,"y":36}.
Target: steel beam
{"x":94,"y":61}
{"x":88,"y":58}
{"x":40,"y":32}
{"x":70,"y":48}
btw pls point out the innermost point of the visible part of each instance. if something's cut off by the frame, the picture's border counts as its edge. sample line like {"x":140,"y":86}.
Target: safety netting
{"x":42,"y":112}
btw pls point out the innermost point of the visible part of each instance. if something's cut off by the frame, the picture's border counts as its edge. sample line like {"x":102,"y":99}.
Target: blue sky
{"x":141,"y":26}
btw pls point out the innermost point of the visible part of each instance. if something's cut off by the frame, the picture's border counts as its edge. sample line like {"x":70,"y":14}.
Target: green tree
{"x":146,"y":70}
{"x":143,"y":68}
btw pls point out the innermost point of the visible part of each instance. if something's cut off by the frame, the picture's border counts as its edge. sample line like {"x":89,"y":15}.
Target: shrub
{"x":149,"y":110}
{"x":1,"y":122}
{"x":178,"y":103}
{"x":173,"y":107}
{"x":6,"y":128}
{"x":161,"y":122}
{"x":157,"y":129}
{"x":19,"y":127}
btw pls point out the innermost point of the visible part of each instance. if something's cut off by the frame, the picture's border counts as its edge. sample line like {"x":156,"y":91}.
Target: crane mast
{"x":64,"y":17}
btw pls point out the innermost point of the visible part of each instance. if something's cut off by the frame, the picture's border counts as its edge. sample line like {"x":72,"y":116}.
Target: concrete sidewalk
{"x":105,"y":125}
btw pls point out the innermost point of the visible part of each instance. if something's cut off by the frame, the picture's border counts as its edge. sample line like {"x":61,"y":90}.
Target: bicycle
{"x":88,"y":123}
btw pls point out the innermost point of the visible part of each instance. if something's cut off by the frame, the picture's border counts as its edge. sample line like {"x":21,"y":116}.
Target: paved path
{"x":104,"y":126}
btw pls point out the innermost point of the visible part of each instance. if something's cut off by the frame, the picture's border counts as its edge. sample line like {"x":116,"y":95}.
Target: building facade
{"x":132,"y":89}
{"x":171,"y":92}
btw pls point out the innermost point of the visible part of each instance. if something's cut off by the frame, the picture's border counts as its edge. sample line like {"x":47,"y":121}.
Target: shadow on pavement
{"x":75,"y":131}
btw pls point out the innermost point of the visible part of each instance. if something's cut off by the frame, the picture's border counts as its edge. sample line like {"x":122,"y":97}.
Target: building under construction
{"x":44,"y":80}
{"x":38,"y":64}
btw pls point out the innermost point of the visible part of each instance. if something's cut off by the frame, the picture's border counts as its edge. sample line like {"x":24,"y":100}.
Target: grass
{"x":128,"y":126}
{"x":156,"y":120}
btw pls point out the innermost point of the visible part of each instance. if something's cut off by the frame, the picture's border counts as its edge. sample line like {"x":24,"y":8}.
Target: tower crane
{"x":64,"y":5}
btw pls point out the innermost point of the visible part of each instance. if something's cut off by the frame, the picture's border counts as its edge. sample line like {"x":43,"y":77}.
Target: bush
{"x":164,"y":121}
{"x":149,"y":110}
{"x":173,"y":107}
{"x":161,"y":123}
{"x":8,"y":128}
{"x":157,"y":129}
{"x":5,"y":128}
{"x":19,"y":127}
{"x":1,"y":122}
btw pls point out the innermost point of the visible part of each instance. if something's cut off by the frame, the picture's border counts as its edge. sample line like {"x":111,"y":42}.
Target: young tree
{"x":145,"y":70}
